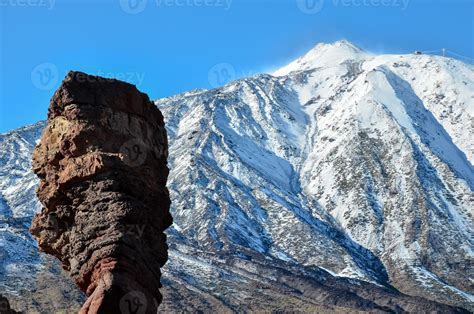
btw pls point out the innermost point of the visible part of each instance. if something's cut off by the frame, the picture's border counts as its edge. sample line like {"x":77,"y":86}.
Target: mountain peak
{"x":323,"y":54}
{"x":337,"y":45}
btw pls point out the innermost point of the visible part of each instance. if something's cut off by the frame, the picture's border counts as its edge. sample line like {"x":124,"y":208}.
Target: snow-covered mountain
{"x":342,"y":170}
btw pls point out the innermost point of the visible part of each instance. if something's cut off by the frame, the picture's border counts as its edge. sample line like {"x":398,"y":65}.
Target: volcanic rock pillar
{"x":102,"y":164}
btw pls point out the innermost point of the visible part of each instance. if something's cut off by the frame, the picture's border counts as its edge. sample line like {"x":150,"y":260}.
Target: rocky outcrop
{"x":102,"y":168}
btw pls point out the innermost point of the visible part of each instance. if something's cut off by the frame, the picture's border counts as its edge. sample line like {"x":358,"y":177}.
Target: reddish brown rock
{"x":102,"y":168}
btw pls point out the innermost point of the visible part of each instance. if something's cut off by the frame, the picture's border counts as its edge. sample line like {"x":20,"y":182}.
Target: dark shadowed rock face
{"x":102,"y":166}
{"x":5,"y":306}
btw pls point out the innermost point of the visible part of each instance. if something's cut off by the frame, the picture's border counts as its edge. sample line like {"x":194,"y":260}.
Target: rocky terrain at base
{"x":343,"y":182}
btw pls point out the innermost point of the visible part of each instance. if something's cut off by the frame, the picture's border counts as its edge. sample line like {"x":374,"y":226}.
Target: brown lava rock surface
{"x":102,"y":164}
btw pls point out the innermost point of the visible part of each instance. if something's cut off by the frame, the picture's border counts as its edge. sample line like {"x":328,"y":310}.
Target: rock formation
{"x":102,"y":168}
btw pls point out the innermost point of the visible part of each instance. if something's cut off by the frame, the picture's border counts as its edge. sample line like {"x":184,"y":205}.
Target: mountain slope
{"x":344,"y":173}
{"x":360,"y":144}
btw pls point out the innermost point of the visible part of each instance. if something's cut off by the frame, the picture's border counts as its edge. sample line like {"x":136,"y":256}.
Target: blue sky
{"x":170,"y":46}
